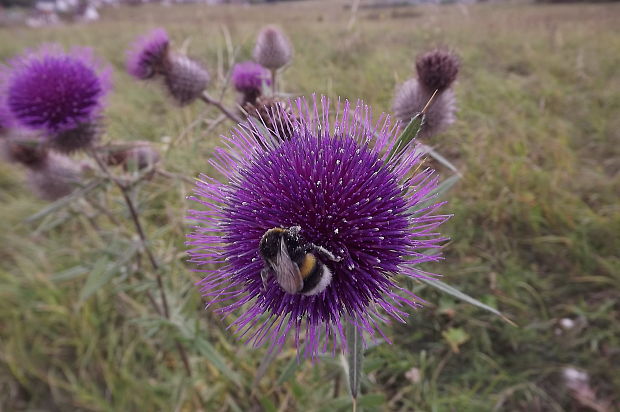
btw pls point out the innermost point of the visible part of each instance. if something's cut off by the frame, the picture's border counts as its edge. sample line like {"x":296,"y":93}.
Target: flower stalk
{"x":135,"y":217}
{"x":205,"y":97}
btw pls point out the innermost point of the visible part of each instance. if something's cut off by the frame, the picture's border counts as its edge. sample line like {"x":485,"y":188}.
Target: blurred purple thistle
{"x":57,"y":93}
{"x":150,"y":56}
{"x":147,"y":55}
{"x":248,"y":79}
{"x":332,"y":178}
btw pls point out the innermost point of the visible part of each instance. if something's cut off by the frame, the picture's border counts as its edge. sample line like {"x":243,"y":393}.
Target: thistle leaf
{"x":104,"y":270}
{"x":410,"y":132}
{"x":450,"y":290}
{"x":353,"y":361}
{"x":442,"y":188}
{"x":66,"y":200}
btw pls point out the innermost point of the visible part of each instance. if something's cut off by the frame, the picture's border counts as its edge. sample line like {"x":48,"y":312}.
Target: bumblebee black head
{"x":270,"y":243}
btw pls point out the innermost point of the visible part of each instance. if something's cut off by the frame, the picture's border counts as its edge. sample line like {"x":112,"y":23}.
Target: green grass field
{"x":535,"y":232}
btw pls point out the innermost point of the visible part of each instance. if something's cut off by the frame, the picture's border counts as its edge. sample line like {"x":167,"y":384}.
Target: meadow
{"x":535,"y":232}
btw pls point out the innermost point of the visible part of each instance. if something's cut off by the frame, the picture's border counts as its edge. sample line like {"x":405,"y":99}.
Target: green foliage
{"x":534,"y":233}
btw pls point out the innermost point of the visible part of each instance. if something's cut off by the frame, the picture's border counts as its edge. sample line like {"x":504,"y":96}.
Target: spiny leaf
{"x":410,"y":132}
{"x":69,"y":274}
{"x":104,"y":271}
{"x":437,"y":284}
{"x":64,"y":201}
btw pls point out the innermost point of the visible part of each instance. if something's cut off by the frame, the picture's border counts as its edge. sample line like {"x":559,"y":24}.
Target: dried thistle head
{"x":437,"y":69}
{"x":25,"y":150}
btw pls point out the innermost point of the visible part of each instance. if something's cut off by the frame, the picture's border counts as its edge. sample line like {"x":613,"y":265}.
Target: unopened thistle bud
{"x":273,"y":49}
{"x":59,"y":94}
{"x":185,"y":78}
{"x":411,"y":98}
{"x":57,"y":177}
{"x":437,"y":70}
{"x":248,"y":79}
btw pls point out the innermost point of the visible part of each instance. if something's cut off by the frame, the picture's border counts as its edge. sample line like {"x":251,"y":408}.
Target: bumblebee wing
{"x":287,"y":271}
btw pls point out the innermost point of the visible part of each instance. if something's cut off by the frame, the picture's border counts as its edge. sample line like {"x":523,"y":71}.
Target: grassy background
{"x":536,"y":231}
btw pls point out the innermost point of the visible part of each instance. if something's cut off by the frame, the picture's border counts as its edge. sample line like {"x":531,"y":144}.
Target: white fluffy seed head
{"x":273,"y":50}
{"x":410,"y":99}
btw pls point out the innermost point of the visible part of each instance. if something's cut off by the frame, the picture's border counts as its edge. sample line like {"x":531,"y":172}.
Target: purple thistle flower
{"x":411,"y":98}
{"x":248,"y":78}
{"x":57,"y":92}
{"x":147,"y":55}
{"x":333,"y":178}
{"x":273,"y":49}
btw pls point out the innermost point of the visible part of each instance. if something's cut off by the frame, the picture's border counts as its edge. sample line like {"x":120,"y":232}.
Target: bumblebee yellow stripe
{"x":307,"y":266}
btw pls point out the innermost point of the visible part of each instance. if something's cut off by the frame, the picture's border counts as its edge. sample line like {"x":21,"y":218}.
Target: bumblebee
{"x":295,"y":263}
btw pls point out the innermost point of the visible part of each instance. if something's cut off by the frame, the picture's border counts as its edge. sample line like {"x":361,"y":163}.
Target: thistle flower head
{"x":185,"y":78}
{"x":53,"y":91}
{"x":334,"y":179}
{"x":147,"y":56}
{"x":248,"y":79}
{"x":411,"y":98}
{"x":57,"y":177}
{"x":437,"y":69}
{"x":273,"y":49}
